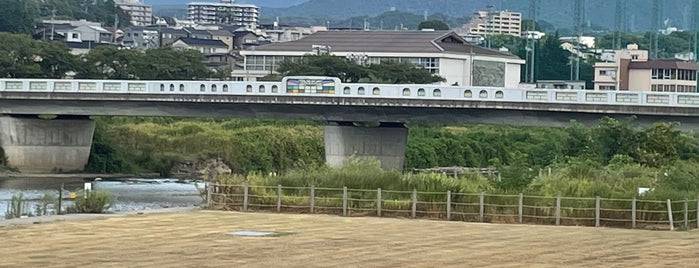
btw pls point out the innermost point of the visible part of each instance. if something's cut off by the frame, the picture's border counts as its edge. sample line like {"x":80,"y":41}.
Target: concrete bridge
{"x":63,"y":144}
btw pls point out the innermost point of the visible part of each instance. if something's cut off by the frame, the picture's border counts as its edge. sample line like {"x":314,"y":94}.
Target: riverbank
{"x":82,"y":217}
{"x":14,"y":175}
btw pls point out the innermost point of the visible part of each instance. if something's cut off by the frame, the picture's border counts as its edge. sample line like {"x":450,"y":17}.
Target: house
{"x":246,"y":39}
{"x":198,"y":34}
{"x":170,"y":35}
{"x":443,"y":53}
{"x":633,"y":70}
{"x":215,"y":51}
{"x":97,"y":34}
{"x":141,"y":37}
{"x":224,"y":36}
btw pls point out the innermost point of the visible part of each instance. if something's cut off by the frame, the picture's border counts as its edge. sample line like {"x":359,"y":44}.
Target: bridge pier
{"x":35,"y":145}
{"x":385,"y":142}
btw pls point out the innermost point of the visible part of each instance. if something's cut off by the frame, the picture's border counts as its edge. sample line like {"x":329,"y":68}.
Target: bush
{"x":97,"y":201}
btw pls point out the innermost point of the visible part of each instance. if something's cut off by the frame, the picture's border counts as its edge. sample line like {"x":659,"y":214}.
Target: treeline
{"x":17,"y":16}
{"x":23,"y":57}
{"x":611,"y":159}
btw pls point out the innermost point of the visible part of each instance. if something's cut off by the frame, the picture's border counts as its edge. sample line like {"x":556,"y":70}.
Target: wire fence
{"x":451,"y":206}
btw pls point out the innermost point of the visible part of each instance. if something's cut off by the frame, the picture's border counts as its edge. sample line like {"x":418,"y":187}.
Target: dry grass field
{"x":199,"y":239}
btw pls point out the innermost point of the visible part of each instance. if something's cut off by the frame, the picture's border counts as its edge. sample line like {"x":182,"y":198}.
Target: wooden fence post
{"x":520,"y":208}
{"x":413,"y":212}
{"x":60,"y":199}
{"x":669,"y":215}
{"x":279,"y":198}
{"x":209,"y":201}
{"x":558,"y":210}
{"x":597,"y":211}
{"x":633,"y":213}
{"x":311,"y":199}
{"x":378,"y":202}
{"x":686,"y":214}
{"x":481,"y":207}
{"x":698,"y":212}
{"x":344,"y":201}
{"x":245,"y":196}
{"x":448,"y":205}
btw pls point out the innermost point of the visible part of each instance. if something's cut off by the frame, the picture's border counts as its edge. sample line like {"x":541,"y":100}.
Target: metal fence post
{"x":311,"y":199}
{"x":279,"y":198}
{"x":633,"y":213}
{"x":686,"y":214}
{"x":597,"y":211}
{"x":669,"y":215}
{"x":520,"y":208}
{"x":60,"y":200}
{"x":481,"y":207}
{"x":413,"y":211}
{"x":448,"y":205}
{"x":378,"y":202}
{"x":344,"y":201}
{"x":558,"y":210}
{"x":209,"y":201}
{"x":245,"y":196}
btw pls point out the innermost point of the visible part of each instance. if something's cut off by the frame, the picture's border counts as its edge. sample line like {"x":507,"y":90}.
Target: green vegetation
{"x":437,"y":25}
{"x":92,"y":202}
{"x":14,"y":207}
{"x":350,"y":71}
{"x":17,"y":16}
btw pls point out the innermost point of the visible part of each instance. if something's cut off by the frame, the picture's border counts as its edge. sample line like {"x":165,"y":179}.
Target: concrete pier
{"x":385,"y":142}
{"x":35,"y":145}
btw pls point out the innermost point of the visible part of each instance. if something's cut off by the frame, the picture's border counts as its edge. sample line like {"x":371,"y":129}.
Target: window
{"x":376,"y":91}
{"x":261,"y":89}
{"x":248,"y":88}
{"x":172,"y":87}
{"x":634,"y":57}
{"x":607,"y":87}
{"x":360,"y":91}
{"x":202,"y":88}
{"x":213,"y":88}
{"x":406,"y":92}
{"x":468,"y":94}
{"x":346,"y":91}
{"x":74,"y":36}
{"x":421,"y":92}
{"x":225,"y":88}
{"x":275,"y":89}
{"x":162,"y":87}
{"x":181,"y":87}
{"x":437,"y":93}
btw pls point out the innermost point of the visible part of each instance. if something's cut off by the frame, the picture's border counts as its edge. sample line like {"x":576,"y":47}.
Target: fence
{"x":451,"y":206}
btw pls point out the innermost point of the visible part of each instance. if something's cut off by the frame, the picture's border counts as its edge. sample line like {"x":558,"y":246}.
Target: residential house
{"x":197,"y":33}
{"x":224,"y":36}
{"x":141,"y":37}
{"x":216,"y":51}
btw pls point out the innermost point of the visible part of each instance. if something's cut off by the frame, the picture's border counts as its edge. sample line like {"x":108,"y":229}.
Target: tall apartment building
{"x":225,"y":12}
{"x":632,"y":70}
{"x":495,"y":22}
{"x":141,"y":14}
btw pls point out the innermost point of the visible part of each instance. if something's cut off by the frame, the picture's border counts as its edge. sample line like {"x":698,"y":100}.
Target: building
{"x":560,"y":84}
{"x":633,"y":70}
{"x":444,"y":53}
{"x":226,"y":12}
{"x":141,"y":37}
{"x":493,"y":22}
{"x":141,"y":14}
{"x":284,"y":33}
{"x":215,"y":51}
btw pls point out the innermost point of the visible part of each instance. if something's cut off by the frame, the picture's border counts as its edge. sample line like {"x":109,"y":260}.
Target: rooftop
{"x":663,"y":64}
{"x":387,"y":42}
{"x":202,"y":42}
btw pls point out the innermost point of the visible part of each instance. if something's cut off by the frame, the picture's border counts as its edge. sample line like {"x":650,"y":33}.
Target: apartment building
{"x":632,"y":70}
{"x":494,"y":22}
{"x":224,"y":12}
{"x":141,"y":14}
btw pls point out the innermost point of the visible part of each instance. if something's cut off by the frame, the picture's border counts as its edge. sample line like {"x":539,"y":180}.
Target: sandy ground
{"x":199,"y":239}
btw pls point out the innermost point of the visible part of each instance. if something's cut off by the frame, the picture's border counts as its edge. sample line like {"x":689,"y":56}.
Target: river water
{"x":130,"y":194}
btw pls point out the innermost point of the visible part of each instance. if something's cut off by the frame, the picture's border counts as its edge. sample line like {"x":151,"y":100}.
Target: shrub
{"x":97,"y":201}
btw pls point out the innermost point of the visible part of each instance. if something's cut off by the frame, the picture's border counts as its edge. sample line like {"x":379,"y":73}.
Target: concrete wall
{"x":386,"y":143}
{"x":42,"y":146}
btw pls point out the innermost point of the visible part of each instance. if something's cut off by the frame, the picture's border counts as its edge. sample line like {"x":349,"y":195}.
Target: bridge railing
{"x":348,"y":90}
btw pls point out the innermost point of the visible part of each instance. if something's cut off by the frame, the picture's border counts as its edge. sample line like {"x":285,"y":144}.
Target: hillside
{"x":558,"y":12}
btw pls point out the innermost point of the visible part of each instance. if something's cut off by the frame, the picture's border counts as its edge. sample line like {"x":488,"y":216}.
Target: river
{"x":130,"y":194}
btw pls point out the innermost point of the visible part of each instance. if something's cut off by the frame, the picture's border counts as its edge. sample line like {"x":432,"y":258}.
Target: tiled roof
{"x":663,"y":64}
{"x":387,"y":42}
{"x":202,"y":42}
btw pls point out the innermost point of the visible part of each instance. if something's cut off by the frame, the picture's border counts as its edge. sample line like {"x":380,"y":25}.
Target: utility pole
{"x":531,"y":42}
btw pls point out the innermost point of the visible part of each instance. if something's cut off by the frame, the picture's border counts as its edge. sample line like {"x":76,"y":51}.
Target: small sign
{"x":73,"y":195}
{"x":88,"y":186}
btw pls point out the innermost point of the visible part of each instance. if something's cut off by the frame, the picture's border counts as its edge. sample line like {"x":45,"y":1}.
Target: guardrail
{"x":453,"y":206}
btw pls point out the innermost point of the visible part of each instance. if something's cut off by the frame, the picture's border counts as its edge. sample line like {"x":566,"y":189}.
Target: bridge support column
{"x":35,"y":145}
{"x":385,"y":142}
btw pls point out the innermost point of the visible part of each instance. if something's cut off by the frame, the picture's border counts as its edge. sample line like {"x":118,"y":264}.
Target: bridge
{"x":63,"y":144}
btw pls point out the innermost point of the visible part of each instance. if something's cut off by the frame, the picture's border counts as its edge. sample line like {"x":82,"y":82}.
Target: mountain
{"x":558,"y":12}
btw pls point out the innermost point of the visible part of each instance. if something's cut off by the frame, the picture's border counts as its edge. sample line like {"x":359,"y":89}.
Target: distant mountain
{"x":558,"y":12}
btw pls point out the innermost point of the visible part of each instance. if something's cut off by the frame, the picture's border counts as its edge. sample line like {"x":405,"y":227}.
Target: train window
{"x":248,"y":88}
{"x":262,"y":89}
{"x":468,"y":94}
{"x":421,"y":92}
{"x":499,"y":94}
{"x":275,"y":89}
{"x":202,"y":88}
{"x":225,"y":88}
{"x":347,"y":91}
{"x":213,"y":88}
{"x":172,"y":87}
{"x":376,"y":91}
{"x":360,"y":91}
{"x":162,"y":87}
{"x":436,"y":93}
{"x":406,"y":92}
{"x":181,"y":87}
{"x":483,"y":94}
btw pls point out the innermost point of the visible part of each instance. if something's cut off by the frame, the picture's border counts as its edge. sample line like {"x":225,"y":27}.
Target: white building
{"x":226,"y":12}
{"x":494,"y":22}
{"x":443,"y":53}
{"x":141,"y":14}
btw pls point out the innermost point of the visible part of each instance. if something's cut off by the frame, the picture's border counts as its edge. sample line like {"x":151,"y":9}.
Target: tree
{"x":552,"y":61}
{"x":15,"y":16}
{"x":433,"y":24}
{"x":110,"y":62}
{"x":393,"y":72}
{"x":168,"y":64}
